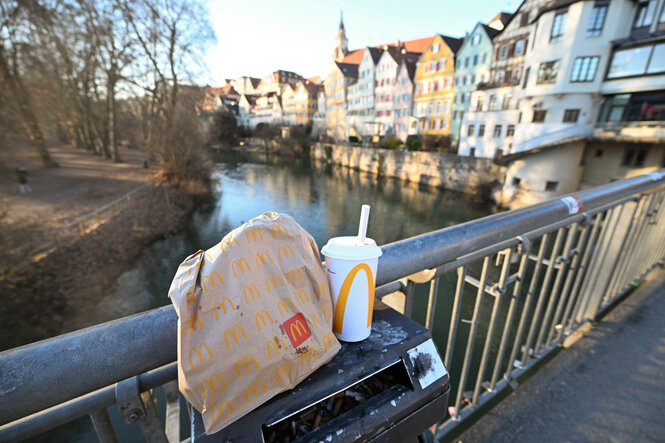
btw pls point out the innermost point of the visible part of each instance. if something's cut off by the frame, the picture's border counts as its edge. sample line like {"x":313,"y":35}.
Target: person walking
{"x":23,"y":185}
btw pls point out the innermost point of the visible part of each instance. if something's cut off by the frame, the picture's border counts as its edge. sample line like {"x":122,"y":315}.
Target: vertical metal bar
{"x":151,"y":425}
{"x":454,"y":319}
{"x":498,"y":300}
{"x":431,"y":302}
{"x":472,"y":335}
{"x":103,"y":426}
{"x":554,"y":293}
{"x":527,"y":305}
{"x":543,"y":290}
{"x":172,"y":422}
{"x":408,"y":301}
{"x":517,"y":290}
{"x":654,"y":237}
{"x":621,"y":261}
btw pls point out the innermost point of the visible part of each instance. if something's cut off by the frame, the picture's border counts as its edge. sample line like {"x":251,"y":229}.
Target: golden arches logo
{"x":234,"y":334}
{"x":239,"y":263}
{"x":189,"y":324}
{"x":285,"y":250}
{"x":274,"y":282}
{"x":290,"y":275}
{"x":277,"y":230}
{"x":222,"y":305}
{"x":275,"y":344}
{"x":301,"y":296}
{"x":199,"y":354}
{"x":211,"y":280}
{"x":245,"y":363}
{"x":327,"y":310}
{"x":282,"y":371}
{"x":219,"y":407}
{"x":228,"y":243}
{"x":315,"y":319}
{"x":262,"y":315}
{"x":309,"y":352}
{"x":328,"y":341}
{"x":211,"y":384}
{"x":192,"y":294}
{"x":254,"y":232}
{"x":248,"y":291}
{"x":322,"y":290}
{"x":283,"y":304}
{"x":262,"y":256}
{"x":340,"y":307}
{"x":254,"y":390}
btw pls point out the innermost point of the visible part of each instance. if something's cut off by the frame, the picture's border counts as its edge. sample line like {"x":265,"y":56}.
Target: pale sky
{"x":256,"y":37}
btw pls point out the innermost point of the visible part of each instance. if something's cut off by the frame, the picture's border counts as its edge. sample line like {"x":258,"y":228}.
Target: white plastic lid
{"x":348,"y":248}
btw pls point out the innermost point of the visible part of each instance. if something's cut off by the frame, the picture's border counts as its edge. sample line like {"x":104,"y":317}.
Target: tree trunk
{"x":111,"y":117}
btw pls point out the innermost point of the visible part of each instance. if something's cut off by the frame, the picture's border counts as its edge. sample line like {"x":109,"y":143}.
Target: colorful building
{"x":405,"y":123}
{"x":289,"y":104}
{"x":275,"y":81}
{"x":360,"y":120}
{"x":306,"y":101}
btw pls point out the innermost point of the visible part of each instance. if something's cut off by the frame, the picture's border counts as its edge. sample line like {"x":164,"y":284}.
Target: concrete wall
{"x":463,"y":174}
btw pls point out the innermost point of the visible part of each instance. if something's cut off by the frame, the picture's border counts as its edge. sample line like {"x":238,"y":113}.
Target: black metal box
{"x":391,"y":387}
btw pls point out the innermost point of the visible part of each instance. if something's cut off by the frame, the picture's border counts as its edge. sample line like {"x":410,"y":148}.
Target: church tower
{"x":341,"y":43}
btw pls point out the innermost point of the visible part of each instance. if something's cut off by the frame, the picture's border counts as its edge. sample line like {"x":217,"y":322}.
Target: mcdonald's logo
{"x":317,"y":266}
{"x":322,"y":290}
{"x":277,"y":230}
{"x":211,"y":280}
{"x":282,"y":371}
{"x":199,"y":354}
{"x":326,"y":312}
{"x":340,"y":308}
{"x":262,"y":256}
{"x":254,"y":390}
{"x":234,"y":334}
{"x":239,"y":263}
{"x":189,"y":324}
{"x":211,"y":384}
{"x":292,"y":274}
{"x":190,"y":395}
{"x":262,"y":315}
{"x":315,"y":319}
{"x":276,"y":344}
{"x":328,"y":341}
{"x":283,"y":304}
{"x":297,"y":329}
{"x":245,"y":362}
{"x":248,"y":291}
{"x":301,"y":296}
{"x":274,"y":282}
{"x":285,"y":250}
{"x":254,"y":232}
{"x":222,"y":305}
{"x":219,"y":407}
{"x":228,"y":243}
{"x":308,"y":353}
{"x":192,"y":294}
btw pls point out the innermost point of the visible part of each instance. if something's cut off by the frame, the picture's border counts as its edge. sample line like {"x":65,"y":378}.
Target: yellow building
{"x":434,"y":86}
{"x":306,"y":101}
{"x":289,"y":104}
{"x":340,"y":76}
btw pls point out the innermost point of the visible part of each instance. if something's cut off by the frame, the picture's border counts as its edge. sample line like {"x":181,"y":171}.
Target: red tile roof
{"x":418,"y":46}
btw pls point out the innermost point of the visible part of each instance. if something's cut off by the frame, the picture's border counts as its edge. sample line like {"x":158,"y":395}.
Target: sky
{"x":256,"y":37}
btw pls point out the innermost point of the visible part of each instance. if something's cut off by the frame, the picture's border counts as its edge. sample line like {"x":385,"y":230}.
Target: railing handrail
{"x":52,"y":371}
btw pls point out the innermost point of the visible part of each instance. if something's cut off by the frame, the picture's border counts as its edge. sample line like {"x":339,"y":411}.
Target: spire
{"x":341,"y":43}
{"x":341,"y":17}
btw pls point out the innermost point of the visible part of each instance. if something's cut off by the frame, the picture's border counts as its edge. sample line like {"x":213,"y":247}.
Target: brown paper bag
{"x":254,"y":318}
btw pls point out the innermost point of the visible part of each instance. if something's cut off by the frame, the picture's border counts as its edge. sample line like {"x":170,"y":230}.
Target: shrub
{"x":328,"y":150}
{"x":392,"y":143}
{"x":354,"y":139}
{"x":225,"y":128}
{"x":414,"y":143}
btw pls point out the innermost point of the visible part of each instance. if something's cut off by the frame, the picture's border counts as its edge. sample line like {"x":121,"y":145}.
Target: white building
{"x":360,"y":100}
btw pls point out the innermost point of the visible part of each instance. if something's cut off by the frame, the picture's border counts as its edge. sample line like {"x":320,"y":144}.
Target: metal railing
{"x":504,"y":291}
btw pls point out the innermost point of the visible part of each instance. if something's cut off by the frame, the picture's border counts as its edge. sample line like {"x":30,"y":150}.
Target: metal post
{"x":621,"y":259}
{"x":431,"y":302}
{"x":172,"y":411}
{"x":103,"y":426}
{"x":408,"y":301}
{"x":454,"y":319}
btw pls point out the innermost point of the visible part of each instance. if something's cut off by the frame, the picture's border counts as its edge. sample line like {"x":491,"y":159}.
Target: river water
{"x":324,"y":200}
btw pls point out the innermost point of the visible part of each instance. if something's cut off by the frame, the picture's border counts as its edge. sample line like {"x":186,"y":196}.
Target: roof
{"x":503,"y":17}
{"x":417,"y":46}
{"x":251,"y":98}
{"x":507,"y":159}
{"x":491,"y":32}
{"x":316,"y":80}
{"x":255,"y":82}
{"x":312,"y":88}
{"x":400,"y":53}
{"x":453,"y":43}
{"x":348,"y":69}
{"x":375,"y":53}
{"x":552,"y":5}
{"x":227,"y":90}
{"x":410,"y":68}
{"x":353,"y":57}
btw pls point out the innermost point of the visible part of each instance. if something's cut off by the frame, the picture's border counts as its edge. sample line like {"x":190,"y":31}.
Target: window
{"x":469,"y":131}
{"x":539,"y":116}
{"x":484,"y":56}
{"x":435,"y":48}
{"x":551,"y":186}
{"x":571,"y":115}
{"x":497,"y":131}
{"x":438,"y":108}
{"x":644,"y":14}
{"x":516,"y":182}
{"x":492,"y":105}
{"x":503,"y":52}
{"x":481,"y":130}
{"x":627,"y":62}
{"x":526,"y":77}
{"x":479,"y":105}
{"x":429,"y":109}
{"x":472,"y":152}
{"x":473,"y":79}
{"x":466,"y":62}
{"x":597,"y":20}
{"x":547,"y":72}
{"x":446,"y":107}
{"x":524,"y":19}
{"x":584,"y":69}
{"x":657,"y":63}
{"x":510,"y":130}
{"x":519,"y":47}
{"x":475,"y":40}
{"x":506,"y":102}
{"x":558,"y":25}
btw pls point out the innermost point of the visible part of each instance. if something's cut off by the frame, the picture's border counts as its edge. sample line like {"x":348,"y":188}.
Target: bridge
{"x":526,"y":284}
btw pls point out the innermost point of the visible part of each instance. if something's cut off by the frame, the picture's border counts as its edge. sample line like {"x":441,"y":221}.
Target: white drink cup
{"x":351,"y":264}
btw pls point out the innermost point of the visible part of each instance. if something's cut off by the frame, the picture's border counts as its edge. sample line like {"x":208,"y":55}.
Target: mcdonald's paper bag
{"x":254,"y":318}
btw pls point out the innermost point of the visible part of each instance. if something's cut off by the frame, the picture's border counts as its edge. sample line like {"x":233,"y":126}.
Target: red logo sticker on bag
{"x":297,"y":330}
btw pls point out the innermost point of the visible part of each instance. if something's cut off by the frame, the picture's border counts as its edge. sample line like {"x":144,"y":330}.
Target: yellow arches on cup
{"x":340,"y":306}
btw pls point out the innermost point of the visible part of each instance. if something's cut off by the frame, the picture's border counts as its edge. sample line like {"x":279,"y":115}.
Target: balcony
{"x":642,"y":131}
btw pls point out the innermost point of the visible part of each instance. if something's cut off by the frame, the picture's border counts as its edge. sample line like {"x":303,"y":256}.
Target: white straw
{"x":362,"y":227}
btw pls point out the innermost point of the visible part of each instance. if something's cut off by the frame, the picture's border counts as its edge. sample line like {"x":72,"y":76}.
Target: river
{"x":324,"y":200}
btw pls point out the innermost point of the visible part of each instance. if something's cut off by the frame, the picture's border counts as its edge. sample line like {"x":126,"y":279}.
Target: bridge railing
{"x":503,"y":292}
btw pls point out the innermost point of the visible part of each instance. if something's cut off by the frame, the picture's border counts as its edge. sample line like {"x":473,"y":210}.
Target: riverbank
{"x":39,"y":293}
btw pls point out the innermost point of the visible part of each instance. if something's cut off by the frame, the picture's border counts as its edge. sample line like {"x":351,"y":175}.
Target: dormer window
{"x":475,"y":40}
{"x":435,"y":48}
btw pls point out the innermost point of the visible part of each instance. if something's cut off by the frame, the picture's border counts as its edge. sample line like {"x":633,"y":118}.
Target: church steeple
{"x":341,"y":43}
